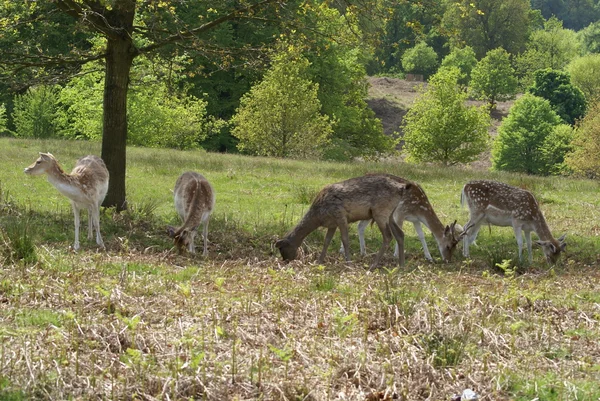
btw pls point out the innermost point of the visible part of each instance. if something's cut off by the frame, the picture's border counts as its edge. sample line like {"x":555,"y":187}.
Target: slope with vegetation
{"x":140,"y":321}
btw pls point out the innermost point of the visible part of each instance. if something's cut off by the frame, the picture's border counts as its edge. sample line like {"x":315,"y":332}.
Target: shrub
{"x":439,"y":127}
{"x":35,"y":112}
{"x":421,"y":59}
{"x":464,"y":59}
{"x":493,"y":78}
{"x":521,"y":136}
{"x":555,"y":147}
{"x":585,"y":74}
{"x":567,"y":100}
{"x":584,"y":159}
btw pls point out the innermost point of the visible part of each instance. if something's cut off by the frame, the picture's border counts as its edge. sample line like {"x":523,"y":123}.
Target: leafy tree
{"x":421,"y":59}
{"x":590,"y":38}
{"x":3,"y":124}
{"x":338,"y":67}
{"x":132,"y":28}
{"x":280,"y":116}
{"x":519,"y":146}
{"x":574,"y":13}
{"x":488,"y":24}
{"x":585,"y":74}
{"x":552,"y":47}
{"x":410,"y":22}
{"x":555,"y":147}
{"x":440,"y":127}
{"x":585,"y":157}
{"x":567,"y":100}
{"x":35,"y":112}
{"x":493,"y":78}
{"x":464,"y":59}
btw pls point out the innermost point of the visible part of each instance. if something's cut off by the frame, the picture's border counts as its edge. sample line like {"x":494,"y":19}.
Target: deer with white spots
{"x":194,"y":201}
{"x":503,"y":205}
{"x":415,"y":207}
{"x":377,"y":197}
{"x":86,"y":187}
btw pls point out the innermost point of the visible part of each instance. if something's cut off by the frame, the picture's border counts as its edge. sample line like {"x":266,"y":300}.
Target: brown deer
{"x":86,"y":187}
{"x":503,"y":205}
{"x":415,"y":207}
{"x":194,"y":201}
{"x":371,"y":197}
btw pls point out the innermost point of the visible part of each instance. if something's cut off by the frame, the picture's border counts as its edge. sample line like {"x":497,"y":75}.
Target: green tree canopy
{"x":522,"y":134}
{"x":566,"y":99}
{"x":440,"y":127}
{"x":464,"y":59}
{"x":590,"y":38}
{"x":585,"y":74}
{"x":552,"y":47}
{"x":585,"y":157}
{"x":421,"y":59}
{"x":35,"y":112}
{"x":493,"y":78}
{"x":281,"y":115}
{"x":488,"y":24}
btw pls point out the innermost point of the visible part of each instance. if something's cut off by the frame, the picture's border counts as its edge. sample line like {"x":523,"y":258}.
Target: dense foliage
{"x":493,"y":78}
{"x":585,"y":74}
{"x":566,"y":99}
{"x":521,"y":144}
{"x":440,"y":127}
{"x":585,"y":156}
{"x":421,"y":59}
{"x":464,"y":59}
{"x":281,"y":116}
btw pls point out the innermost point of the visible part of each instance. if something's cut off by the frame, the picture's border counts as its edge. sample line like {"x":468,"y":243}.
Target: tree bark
{"x":120,"y":53}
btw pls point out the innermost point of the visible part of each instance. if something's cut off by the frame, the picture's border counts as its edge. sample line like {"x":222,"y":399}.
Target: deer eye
{"x":38,"y":162}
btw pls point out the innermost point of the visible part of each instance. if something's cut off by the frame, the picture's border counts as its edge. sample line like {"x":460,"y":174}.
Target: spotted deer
{"x":86,"y":187}
{"x":374,"y":197}
{"x":194,"y":201}
{"x":503,"y":205}
{"x":415,"y":207}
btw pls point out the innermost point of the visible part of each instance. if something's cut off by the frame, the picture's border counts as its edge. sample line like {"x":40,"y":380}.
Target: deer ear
{"x":281,"y":243}
{"x":561,"y":239}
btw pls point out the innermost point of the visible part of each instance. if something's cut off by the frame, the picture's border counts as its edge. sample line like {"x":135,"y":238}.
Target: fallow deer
{"x":503,"y":205}
{"x":415,"y":207}
{"x":86,"y":187}
{"x":194,"y":201}
{"x":371,"y":197}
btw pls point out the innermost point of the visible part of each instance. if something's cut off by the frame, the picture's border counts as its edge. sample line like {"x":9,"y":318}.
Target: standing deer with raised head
{"x":371,"y":197}
{"x":86,"y":187}
{"x":415,"y":207}
{"x":194,"y":201}
{"x":503,"y":205}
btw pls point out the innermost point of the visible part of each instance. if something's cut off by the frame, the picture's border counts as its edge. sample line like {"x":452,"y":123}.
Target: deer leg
{"x":345,"y":240}
{"x":191,"y":239}
{"x":205,"y":236}
{"x":419,"y":231}
{"x":95,"y":218}
{"x":76,"y":216}
{"x":90,"y":223}
{"x":328,"y":237}
{"x":399,"y":235}
{"x":528,"y":241}
{"x":396,"y":247}
{"x":519,"y":239}
{"x":362,"y":225}
{"x":472,"y":229}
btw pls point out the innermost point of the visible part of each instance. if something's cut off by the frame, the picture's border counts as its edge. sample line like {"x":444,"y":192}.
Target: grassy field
{"x":138,"y":321}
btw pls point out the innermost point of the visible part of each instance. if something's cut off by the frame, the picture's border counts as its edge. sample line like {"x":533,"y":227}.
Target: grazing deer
{"x":194,"y":201}
{"x":371,"y":197}
{"x":415,"y":207}
{"x":500,"y":204}
{"x":86,"y":186}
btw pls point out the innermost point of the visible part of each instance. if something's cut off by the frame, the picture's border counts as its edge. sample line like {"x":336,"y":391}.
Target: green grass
{"x":139,"y":321}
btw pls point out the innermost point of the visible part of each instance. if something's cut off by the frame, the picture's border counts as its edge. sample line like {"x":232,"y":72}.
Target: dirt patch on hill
{"x":391,"y":98}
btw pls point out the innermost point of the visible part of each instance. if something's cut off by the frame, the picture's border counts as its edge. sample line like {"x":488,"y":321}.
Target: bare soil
{"x":391,"y":98}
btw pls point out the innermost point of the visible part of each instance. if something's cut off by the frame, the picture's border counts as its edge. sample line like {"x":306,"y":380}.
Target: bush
{"x":3,"y":128}
{"x":464,"y":59}
{"x":555,"y":148}
{"x":280,"y":116}
{"x":440,"y":127}
{"x":584,"y":159}
{"x":567,"y":100}
{"x":585,"y":74}
{"x":421,"y":59}
{"x":493,"y":78}
{"x":519,"y":146}
{"x":35,"y":112}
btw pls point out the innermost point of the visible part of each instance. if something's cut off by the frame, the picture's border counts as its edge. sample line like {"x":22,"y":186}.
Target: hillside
{"x":390,"y":99}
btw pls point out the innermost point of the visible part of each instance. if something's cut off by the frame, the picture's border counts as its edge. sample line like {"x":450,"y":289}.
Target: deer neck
{"x":309,"y":223}
{"x":433,"y":223}
{"x":541,"y":228}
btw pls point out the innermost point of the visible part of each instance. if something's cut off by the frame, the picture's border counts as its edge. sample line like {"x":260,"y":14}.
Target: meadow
{"x":139,"y":321}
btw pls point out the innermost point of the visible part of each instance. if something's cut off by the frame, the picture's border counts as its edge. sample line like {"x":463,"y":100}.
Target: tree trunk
{"x":120,"y":53}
